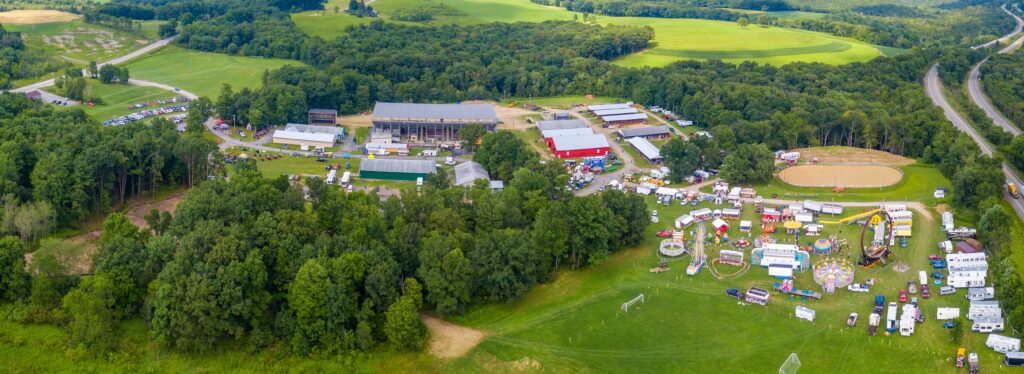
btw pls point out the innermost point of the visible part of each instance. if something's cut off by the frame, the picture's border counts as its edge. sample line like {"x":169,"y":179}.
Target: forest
{"x":247,"y":260}
{"x":1002,"y":79}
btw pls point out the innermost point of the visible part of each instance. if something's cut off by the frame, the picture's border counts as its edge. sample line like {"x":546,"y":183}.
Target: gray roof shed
{"x":483,"y":113}
{"x":397,"y":166}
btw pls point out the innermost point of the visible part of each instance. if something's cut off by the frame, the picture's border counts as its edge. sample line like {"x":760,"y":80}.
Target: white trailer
{"x":891,"y":323}
{"x":790,"y":156}
{"x":805,"y":313}
{"x":331,"y":176}
{"x":923,"y":277}
{"x":346,"y":178}
{"x":980,"y":293}
{"x":908,"y":319}
{"x":988,"y":325}
{"x":1002,"y":344}
{"x":813,"y":206}
{"x":943,"y":314}
{"x":981,"y":309}
{"x":832,"y":209}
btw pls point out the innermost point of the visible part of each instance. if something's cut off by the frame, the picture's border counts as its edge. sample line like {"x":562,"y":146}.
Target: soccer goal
{"x":791,"y":365}
{"x":626,"y":305}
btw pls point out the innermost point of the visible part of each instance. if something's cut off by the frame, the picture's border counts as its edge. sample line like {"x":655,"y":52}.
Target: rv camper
{"x":1002,"y":344}
{"x":805,"y":313}
{"x":943,"y":314}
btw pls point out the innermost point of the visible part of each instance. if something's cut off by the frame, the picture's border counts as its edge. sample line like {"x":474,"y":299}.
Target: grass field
{"x":687,"y":324}
{"x":80,"y":42}
{"x":675,"y":39}
{"x":117,"y":98}
{"x":562,"y":102}
{"x":203,"y":73}
{"x":326,"y":23}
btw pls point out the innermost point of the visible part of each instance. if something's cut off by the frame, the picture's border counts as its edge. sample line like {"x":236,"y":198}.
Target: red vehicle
{"x":664,"y":234}
{"x":903,"y":296}
{"x":924,"y":291}
{"x":934,"y":257}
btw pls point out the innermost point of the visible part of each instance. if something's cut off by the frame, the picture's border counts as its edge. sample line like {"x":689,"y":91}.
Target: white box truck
{"x":943,"y":314}
{"x":346,"y":178}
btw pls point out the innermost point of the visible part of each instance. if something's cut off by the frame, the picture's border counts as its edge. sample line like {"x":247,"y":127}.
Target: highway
{"x":1016,"y":30}
{"x":981,"y":100}
{"x":933,"y":88}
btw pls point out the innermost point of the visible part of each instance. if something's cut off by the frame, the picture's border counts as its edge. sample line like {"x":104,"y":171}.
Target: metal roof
{"x":296,"y":127}
{"x":467,"y":172}
{"x":482,"y":112}
{"x":567,"y":132}
{"x":612,"y":112}
{"x":561,"y":124}
{"x":397,"y":166}
{"x":625,"y":117}
{"x":607,"y":106}
{"x":644,"y":131}
{"x":304,"y":136}
{"x":645,"y":148}
{"x":326,"y":111}
{"x":571,"y":143}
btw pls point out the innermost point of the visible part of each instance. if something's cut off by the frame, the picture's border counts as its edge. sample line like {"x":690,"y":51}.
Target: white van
{"x":947,"y":290}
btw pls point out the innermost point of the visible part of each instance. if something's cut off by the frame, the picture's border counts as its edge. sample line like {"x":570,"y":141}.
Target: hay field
{"x":32,"y":16}
{"x":850,"y":176}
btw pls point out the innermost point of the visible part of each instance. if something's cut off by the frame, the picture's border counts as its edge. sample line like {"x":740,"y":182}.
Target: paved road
{"x":49,"y":97}
{"x":981,"y":100}
{"x":1016,"y":30}
{"x":933,"y":88}
{"x":628,"y":164}
{"x":139,"y":82}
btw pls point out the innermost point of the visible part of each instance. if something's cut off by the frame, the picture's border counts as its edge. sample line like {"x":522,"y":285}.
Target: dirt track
{"x":841,"y":176}
{"x":838,"y":155}
{"x":28,"y":17}
{"x":449,"y":340}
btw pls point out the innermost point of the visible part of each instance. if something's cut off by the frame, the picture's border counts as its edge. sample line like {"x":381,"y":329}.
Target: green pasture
{"x":326,"y":23}
{"x":117,"y":97}
{"x":675,"y":39}
{"x":203,"y":73}
{"x":80,"y":42}
{"x":562,"y":102}
{"x":688,"y":324}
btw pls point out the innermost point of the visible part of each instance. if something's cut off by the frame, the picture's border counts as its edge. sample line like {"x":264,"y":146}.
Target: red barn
{"x":550,"y":135}
{"x":579,"y":146}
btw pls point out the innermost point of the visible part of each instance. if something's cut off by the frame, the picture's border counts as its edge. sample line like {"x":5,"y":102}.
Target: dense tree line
{"x":246,"y":259}
{"x":642,"y":9}
{"x":67,"y":160}
{"x":1002,"y":80}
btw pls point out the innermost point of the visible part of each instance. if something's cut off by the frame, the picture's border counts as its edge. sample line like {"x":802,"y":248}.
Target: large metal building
{"x":431,"y":123}
{"x":394,"y":169}
{"x":313,"y":136}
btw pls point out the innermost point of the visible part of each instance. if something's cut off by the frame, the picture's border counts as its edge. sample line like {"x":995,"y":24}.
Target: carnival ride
{"x":877,"y":249}
{"x":698,"y":256}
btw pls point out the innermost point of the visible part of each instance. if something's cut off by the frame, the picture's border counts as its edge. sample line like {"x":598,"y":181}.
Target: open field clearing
{"x":327,"y":23}
{"x":117,"y":98}
{"x":674,"y":39}
{"x":80,"y":42}
{"x":28,"y":17}
{"x":855,"y":176}
{"x":203,"y":73}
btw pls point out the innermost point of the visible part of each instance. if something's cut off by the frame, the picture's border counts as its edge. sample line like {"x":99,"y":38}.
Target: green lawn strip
{"x":117,"y":97}
{"x":203,"y":73}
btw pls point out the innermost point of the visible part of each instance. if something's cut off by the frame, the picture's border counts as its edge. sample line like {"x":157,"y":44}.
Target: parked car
{"x":938,"y":264}
{"x":924,"y":291}
{"x":938,"y":275}
{"x":934,"y":257}
{"x":911,"y":287}
{"x":852,"y":320}
{"x":903,"y":296}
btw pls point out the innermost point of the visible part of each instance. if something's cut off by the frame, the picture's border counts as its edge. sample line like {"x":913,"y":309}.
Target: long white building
{"x":967,"y":269}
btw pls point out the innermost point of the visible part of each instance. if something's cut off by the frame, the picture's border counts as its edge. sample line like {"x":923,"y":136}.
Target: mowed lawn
{"x":688,"y":324}
{"x":327,"y":23}
{"x":80,"y":42}
{"x":203,"y":73}
{"x":674,"y":39}
{"x":117,"y":98}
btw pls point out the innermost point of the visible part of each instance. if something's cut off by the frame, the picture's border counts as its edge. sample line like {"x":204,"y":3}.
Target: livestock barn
{"x":624,"y":119}
{"x":579,"y":146}
{"x":561,"y":124}
{"x":653,"y":132}
{"x":599,"y":107}
{"x":550,"y":135}
{"x":431,"y":123}
{"x":394,"y":169}
{"x":327,"y":117}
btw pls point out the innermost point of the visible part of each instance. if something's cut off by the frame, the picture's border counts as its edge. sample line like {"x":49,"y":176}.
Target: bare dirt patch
{"x":28,"y":17}
{"x":852,"y":156}
{"x":137,"y":213}
{"x":510,"y":117}
{"x":448,"y":340}
{"x":841,"y":176}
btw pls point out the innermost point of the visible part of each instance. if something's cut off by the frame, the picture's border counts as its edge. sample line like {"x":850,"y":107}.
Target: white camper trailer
{"x":987,"y":325}
{"x":1002,"y":344}
{"x":805,"y":313}
{"x":908,"y":320}
{"x":943,"y":314}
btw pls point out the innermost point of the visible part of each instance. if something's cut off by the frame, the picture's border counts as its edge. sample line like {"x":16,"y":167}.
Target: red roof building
{"x":579,"y":146}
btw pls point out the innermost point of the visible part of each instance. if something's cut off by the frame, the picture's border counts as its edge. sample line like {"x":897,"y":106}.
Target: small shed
{"x":969,"y":245}
{"x":683,"y":221}
{"x":720,"y":225}
{"x":746,"y":226}
{"x":730,"y":257}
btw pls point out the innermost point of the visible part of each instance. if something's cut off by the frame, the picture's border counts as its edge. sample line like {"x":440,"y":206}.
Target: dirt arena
{"x":838,"y":155}
{"x":28,"y":17}
{"x":849,"y":176}
{"x":449,"y":340}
